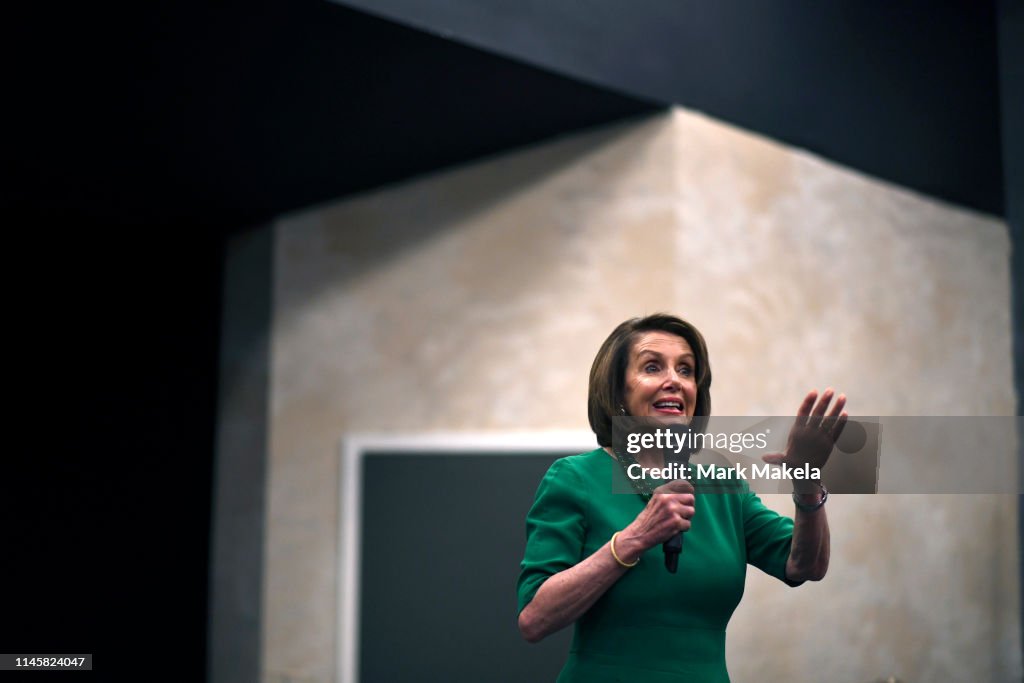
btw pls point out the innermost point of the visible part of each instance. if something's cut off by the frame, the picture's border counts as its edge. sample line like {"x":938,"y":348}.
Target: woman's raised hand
{"x":814,"y":433}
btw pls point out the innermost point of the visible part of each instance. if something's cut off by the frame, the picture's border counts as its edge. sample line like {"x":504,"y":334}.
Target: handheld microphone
{"x":680,"y":436}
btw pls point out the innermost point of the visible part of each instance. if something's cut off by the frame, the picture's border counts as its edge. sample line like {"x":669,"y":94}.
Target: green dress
{"x":650,"y":626}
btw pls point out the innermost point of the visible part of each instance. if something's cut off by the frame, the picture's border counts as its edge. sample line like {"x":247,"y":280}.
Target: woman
{"x":593,"y":557}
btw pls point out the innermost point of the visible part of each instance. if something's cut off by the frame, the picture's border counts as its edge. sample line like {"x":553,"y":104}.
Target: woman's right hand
{"x":668,"y":512}
{"x":567,"y":595}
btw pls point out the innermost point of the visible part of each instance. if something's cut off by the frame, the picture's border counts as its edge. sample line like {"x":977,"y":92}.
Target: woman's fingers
{"x":831,"y":422}
{"x":839,"y":405}
{"x":815,"y":411}
{"x":837,"y":430}
{"x":682,"y":514}
{"x":820,"y":407}
{"x":805,"y":408}
{"x":819,"y":423}
{"x":672,"y":511}
{"x":675,"y":486}
{"x":678,"y":504}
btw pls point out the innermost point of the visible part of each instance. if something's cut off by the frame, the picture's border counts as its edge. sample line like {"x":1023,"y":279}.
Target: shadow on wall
{"x":336,"y":246}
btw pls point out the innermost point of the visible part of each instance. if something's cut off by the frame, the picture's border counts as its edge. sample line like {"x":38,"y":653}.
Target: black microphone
{"x":679,"y":435}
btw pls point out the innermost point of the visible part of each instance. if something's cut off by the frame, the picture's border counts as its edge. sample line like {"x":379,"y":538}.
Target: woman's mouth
{"x":669,"y":407}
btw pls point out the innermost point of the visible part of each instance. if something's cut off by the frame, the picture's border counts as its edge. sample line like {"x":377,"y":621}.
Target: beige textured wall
{"x":502,"y":278}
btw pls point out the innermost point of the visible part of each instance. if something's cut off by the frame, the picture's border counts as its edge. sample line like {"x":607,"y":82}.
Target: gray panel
{"x":443,"y":536}
{"x":236,"y":554}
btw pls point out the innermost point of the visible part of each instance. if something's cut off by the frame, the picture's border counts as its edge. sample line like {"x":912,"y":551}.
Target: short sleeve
{"x":769,"y":537}
{"x":555,"y":530}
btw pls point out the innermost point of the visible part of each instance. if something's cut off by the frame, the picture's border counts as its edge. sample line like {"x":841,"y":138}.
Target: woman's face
{"x":661,"y":377}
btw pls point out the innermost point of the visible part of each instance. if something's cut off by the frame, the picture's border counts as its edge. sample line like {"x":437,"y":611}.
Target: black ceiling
{"x":225,"y":114}
{"x":906,"y":91}
{"x":201,"y":114}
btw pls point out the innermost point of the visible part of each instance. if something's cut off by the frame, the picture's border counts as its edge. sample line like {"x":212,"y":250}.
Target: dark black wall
{"x":1011,"y":47}
{"x":142,"y":137}
{"x":1011,"y":52}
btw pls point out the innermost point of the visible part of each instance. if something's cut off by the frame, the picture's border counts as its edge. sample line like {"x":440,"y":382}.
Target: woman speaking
{"x":593,"y":557}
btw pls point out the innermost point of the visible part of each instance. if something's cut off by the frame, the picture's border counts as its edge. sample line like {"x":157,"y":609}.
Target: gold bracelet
{"x":611,"y":546}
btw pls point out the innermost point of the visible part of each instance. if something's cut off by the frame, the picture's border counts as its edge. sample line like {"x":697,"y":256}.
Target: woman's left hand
{"x":814,"y":432}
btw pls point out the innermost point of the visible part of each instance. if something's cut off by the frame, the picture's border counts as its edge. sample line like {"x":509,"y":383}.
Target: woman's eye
{"x":685,"y":370}
{"x":650,"y":367}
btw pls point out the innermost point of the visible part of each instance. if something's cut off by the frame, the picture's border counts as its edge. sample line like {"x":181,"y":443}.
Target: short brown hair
{"x":608,"y":373}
